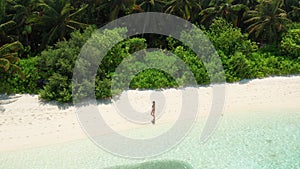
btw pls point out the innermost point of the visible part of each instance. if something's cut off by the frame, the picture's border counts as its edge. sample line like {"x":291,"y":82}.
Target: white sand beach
{"x":26,"y":122}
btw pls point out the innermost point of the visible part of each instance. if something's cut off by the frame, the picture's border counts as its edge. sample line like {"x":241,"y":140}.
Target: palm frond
{"x":7,"y":25}
{"x":18,"y":71}
{"x":71,"y":27}
{"x":7,"y":48}
{"x":4,"y":64}
{"x":76,"y":22}
{"x":252,"y":19}
{"x":79,"y":11}
{"x":65,"y":10}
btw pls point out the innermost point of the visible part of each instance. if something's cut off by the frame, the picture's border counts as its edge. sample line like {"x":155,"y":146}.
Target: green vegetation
{"x":26,"y":82}
{"x":41,"y":39}
{"x":267,"y":21}
{"x":290,"y":43}
{"x":8,"y":63}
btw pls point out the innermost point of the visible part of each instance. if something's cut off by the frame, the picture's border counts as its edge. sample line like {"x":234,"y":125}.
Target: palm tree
{"x":113,"y":9}
{"x":249,"y":3}
{"x":21,"y":11}
{"x":293,"y":10}
{"x":288,"y":5}
{"x":296,"y":13}
{"x":55,"y":19}
{"x":5,"y":27}
{"x":225,"y":9}
{"x":2,"y":8}
{"x":7,"y":24}
{"x":187,"y":9}
{"x":9,"y":58}
{"x":267,"y":21}
{"x":151,"y":5}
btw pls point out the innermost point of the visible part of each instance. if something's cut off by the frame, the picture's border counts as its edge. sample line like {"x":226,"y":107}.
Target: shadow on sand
{"x":7,"y":99}
{"x":244,"y":81}
{"x":163,"y":164}
{"x":64,"y":106}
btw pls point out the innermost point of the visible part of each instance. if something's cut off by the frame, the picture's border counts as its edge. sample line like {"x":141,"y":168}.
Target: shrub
{"x":238,"y":67}
{"x":152,"y":79}
{"x":290,"y":43}
{"x":58,"y":88}
{"x":9,"y":58}
{"x":266,"y":64}
{"x":15,"y":83}
{"x":194,"y":63}
{"x":56,"y":64}
{"x":228,"y":39}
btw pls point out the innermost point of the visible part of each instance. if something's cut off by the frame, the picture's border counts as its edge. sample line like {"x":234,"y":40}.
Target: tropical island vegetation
{"x":41,"y":39}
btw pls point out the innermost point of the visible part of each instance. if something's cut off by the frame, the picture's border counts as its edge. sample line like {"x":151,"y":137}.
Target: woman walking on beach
{"x":153,"y":112}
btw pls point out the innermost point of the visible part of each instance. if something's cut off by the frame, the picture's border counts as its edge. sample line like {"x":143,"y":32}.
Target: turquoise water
{"x":242,"y":140}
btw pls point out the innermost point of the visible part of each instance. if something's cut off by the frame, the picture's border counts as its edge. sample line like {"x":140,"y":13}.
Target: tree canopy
{"x":40,"y":39}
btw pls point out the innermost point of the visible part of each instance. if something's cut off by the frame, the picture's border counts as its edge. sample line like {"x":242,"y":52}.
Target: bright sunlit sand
{"x":261,"y":120}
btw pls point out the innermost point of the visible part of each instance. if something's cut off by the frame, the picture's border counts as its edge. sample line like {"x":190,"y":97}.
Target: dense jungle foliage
{"x":40,"y":41}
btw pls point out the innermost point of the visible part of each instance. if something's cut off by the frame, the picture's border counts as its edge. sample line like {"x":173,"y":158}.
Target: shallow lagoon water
{"x":242,"y":140}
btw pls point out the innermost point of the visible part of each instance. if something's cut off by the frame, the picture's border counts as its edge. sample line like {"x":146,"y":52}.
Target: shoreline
{"x":27,"y":122}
